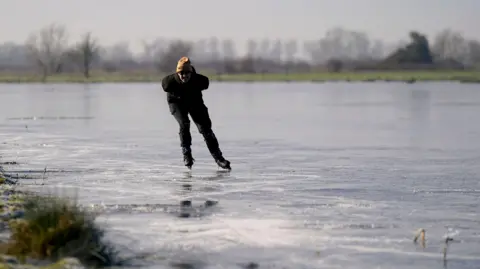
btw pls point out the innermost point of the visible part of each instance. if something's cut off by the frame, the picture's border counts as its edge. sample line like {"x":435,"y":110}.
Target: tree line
{"x":49,"y":51}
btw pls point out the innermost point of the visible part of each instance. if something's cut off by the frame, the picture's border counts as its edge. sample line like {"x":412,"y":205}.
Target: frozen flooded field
{"x":324,"y":175}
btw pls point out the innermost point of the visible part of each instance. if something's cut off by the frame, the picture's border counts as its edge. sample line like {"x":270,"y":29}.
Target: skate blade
{"x":225,"y":169}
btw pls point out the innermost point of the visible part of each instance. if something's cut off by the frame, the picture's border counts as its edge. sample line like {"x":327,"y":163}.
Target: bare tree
{"x":252,"y":47}
{"x":213,"y":49}
{"x":313,"y":50}
{"x":358,"y":45}
{"x":377,"y":50}
{"x":474,"y":52}
{"x":84,"y":53}
{"x":290,"y":49}
{"x":276,"y":51}
{"x":148,"y":49}
{"x":168,"y":58}
{"x":345,"y":44}
{"x":151,"y":49}
{"x":249,"y":63}
{"x":228,"y":49}
{"x":264,"y":49}
{"x":47,"y":48}
{"x":13,"y":56}
{"x":118,"y":57}
{"x":450,"y":45}
{"x":118,"y":52}
{"x":199,"y":49}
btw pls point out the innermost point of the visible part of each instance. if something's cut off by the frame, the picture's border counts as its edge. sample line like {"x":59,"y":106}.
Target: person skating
{"x":184,"y":97}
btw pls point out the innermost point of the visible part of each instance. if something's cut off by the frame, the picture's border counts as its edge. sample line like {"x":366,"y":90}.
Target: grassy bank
{"x":126,"y":77}
{"x":48,"y":232}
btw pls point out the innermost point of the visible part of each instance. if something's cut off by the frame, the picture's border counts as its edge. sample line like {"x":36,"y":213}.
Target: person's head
{"x":184,"y":69}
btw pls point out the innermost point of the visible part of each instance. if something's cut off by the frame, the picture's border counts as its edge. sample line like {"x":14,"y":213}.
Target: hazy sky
{"x":131,"y":20}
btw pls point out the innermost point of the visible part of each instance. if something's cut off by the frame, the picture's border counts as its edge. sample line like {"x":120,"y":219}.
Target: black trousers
{"x":201,"y":118}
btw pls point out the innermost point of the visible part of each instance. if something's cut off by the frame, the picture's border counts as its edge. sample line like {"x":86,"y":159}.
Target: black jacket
{"x":189,"y":93}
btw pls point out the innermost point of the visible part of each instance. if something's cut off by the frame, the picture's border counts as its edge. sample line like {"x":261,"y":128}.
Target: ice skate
{"x":187,"y":158}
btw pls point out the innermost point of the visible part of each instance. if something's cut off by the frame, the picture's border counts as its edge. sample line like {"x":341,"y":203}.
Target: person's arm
{"x":203,"y":82}
{"x":167,"y":84}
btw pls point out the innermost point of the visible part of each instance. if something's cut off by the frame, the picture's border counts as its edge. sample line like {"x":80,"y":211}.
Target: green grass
{"x":54,"y":228}
{"x":361,"y":76}
{"x":131,"y":77}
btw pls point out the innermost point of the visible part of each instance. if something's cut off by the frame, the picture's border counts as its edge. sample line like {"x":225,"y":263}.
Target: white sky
{"x":113,"y":21}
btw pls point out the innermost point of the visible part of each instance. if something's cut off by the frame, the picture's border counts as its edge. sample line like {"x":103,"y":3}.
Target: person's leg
{"x":180,"y":113}
{"x":204,"y":124}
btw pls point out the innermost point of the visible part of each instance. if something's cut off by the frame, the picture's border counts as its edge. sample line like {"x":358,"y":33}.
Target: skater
{"x":184,"y":96}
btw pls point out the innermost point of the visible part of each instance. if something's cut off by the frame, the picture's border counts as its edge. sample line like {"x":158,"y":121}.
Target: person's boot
{"x":187,"y":157}
{"x":214,"y":148}
{"x":223,"y":163}
{"x":220,"y":160}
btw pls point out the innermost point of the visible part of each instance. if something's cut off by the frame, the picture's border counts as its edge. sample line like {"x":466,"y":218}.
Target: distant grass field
{"x":361,"y":76}
{"x":406,"y":76}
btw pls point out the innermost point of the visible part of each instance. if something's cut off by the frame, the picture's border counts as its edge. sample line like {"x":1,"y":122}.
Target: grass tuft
{"x":54,"y":228}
